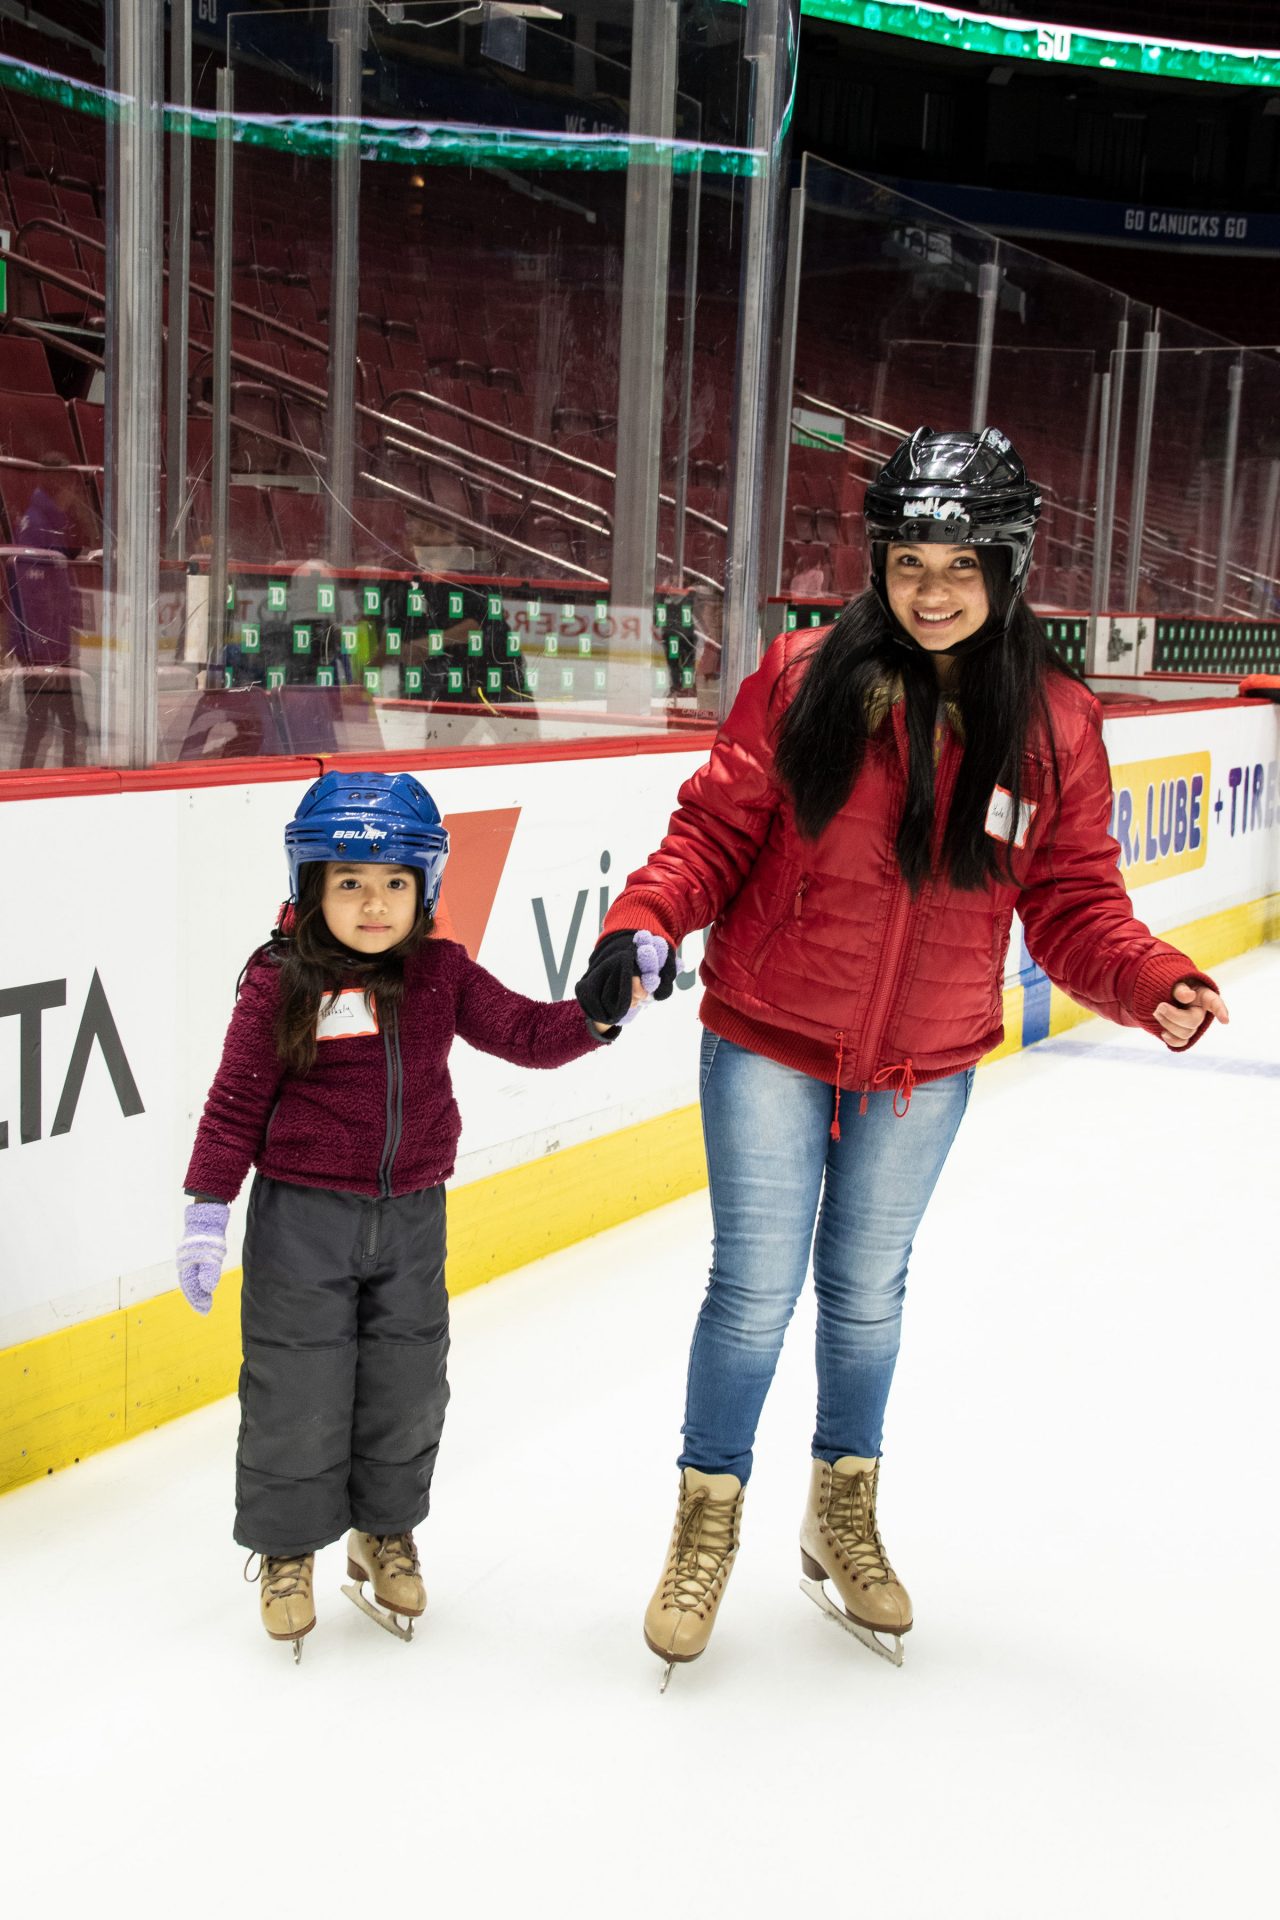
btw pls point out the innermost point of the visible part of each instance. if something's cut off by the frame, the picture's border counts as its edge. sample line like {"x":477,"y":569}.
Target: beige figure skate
{"x":390,"y":1564}
{"x":840,"y":1548}
{"x":284,"y":1596}
{"x":704,"y":1545}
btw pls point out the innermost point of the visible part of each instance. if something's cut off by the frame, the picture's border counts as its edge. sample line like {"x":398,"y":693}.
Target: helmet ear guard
{"x":956,"y":490}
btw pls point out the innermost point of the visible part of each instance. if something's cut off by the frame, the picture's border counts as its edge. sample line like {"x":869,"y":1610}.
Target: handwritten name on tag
{"x":349,"y":1017}
{"x":1000,"y":817}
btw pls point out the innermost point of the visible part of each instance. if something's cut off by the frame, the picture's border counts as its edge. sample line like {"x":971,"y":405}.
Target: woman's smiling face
{"x":937,"y":594}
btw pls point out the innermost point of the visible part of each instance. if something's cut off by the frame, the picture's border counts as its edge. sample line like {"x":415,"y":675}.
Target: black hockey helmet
{"x":959,"y":489}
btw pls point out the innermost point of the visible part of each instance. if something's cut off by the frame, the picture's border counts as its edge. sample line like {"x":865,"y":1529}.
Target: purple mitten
{"x":201,"y":1251}
{"x":651,"y":958}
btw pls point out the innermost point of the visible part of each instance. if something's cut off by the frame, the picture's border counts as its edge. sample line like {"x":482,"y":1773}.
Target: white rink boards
{"x":162,"y":894}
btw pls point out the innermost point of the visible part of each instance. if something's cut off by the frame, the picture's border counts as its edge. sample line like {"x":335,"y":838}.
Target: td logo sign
{"x":28,"y":1005}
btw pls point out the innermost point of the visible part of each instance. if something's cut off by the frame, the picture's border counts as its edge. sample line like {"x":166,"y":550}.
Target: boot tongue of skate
{"x":716,"y":1486}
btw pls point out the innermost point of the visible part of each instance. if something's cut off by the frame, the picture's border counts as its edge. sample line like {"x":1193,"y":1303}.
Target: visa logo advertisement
{"x":1160,"y":816}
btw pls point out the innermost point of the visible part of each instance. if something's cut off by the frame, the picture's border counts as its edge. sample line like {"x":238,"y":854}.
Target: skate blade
{"x":389,"y":1621}
{"x":669,"y":1661}
{"x":296,"y":1638}
{"x":817,"y":1592}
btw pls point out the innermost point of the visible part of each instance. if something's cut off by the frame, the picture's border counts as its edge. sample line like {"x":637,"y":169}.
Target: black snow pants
{"x":345,"y":1328}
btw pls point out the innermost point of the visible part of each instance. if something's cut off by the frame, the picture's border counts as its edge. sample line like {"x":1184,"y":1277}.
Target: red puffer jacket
{"x":818,"y":955}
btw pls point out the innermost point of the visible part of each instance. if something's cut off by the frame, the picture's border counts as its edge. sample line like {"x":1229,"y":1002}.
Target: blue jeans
{"x":775,"y":1170}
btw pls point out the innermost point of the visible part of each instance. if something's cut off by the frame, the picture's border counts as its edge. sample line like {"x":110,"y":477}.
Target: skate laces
{"x":398,"y":1554}
{"x":704,"y":1541}
{"x":851,"y":1517}
{"x":282,"y":1576}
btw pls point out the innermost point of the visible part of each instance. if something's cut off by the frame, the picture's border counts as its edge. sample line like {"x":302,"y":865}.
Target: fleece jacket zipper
{"x":394,"y":1124}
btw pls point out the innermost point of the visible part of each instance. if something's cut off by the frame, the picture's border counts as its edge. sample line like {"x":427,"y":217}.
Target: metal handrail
{"x":58,"y":278}
{"x":283,"y":377}
{"x":885,"y":426}
{"x":277,"y":376}
{"x":453,"y":518}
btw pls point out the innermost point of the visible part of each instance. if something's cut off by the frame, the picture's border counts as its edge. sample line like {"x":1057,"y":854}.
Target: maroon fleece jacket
{"x":376,"y":1113}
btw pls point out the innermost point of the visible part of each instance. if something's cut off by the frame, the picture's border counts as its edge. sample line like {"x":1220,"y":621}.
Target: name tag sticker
{"x":1000,"y":817}
{"x":350,"y":1017}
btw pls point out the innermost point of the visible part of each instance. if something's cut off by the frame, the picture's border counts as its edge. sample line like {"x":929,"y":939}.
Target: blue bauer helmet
{"x":386,"y":818}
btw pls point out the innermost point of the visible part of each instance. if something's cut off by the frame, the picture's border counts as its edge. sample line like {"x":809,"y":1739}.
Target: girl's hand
{"x":606,"y":991}
{"x":201,"y":1252}
{"x":638,"y":997}
{"x":655,"y":970}
{"x":1191,"y":1006}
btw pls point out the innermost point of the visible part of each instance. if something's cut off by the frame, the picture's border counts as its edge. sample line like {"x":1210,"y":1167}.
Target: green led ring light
{"x":411,"y":142}
{"x":1051,"y":44}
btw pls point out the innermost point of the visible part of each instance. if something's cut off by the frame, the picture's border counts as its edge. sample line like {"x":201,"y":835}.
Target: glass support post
{"x":176,"y":502}
{"x":642,"y":347}
{"x":1235,"y":383}
{"x":988,"y":299}
{"x":1105,"y":506}
{"x":135,"y":280}
{"x":1141,"y":463}
{"x":220,"y":476}
{"x":1119,"y":362}
{"x":1268,"y":539}
{"x":783,"y":401}
{"x":692,"y":237}
{"x":772,"y":46}
{"x":1088,"y":464}
{"x":349,"y":32}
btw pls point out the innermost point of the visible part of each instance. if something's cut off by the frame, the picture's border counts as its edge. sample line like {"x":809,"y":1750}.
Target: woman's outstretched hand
{"x":620,"y":963}
{"x":1182,"y":1017}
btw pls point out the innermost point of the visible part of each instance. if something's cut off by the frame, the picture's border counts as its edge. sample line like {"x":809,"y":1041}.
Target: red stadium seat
{"x":24,"y":367}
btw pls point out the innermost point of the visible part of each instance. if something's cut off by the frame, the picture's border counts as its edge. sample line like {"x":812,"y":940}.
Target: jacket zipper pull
{"x":801,"y":891}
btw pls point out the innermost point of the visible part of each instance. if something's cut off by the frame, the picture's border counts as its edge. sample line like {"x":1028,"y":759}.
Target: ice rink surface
{"x":1079,"y":1489}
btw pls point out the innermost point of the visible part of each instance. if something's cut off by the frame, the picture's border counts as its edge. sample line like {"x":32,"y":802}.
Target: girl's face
{"x":368,"y":907}
{"x":936,"y":593}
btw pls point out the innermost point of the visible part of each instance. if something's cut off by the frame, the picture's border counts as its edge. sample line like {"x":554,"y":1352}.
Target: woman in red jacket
{"x":880,"y":800}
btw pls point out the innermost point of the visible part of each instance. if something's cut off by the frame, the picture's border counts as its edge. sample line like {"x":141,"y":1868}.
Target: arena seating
{"x":504,"y":308}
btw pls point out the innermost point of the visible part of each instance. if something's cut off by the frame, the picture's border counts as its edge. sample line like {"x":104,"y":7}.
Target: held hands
{"x":652,"y":954}
{"x":201,"y":1251}
{"x":1182,"y":1017}
{"x":625,"y":970}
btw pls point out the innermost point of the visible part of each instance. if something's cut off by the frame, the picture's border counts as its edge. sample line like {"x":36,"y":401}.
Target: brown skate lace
{"x":282,"y":1576}
{"x":851,"y":1517}
{"x":398,"y":1554}
{"x":704,"y":1541}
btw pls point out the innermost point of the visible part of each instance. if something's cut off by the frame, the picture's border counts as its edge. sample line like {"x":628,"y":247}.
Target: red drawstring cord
{"x":835,"y":1124}
{"x":906,"y":1079}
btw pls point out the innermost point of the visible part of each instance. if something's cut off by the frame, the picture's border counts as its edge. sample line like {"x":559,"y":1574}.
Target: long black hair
{"x":997,"y":689}
{"x":315,"y":967}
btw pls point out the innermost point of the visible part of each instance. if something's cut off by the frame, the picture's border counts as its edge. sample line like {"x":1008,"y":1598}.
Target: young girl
{"x":882,"y":797}
{"x":334,"y":1083}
